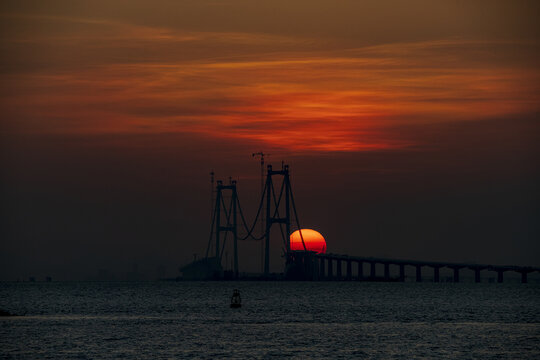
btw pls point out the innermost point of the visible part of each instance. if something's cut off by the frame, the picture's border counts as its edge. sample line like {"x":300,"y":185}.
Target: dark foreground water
{"x":167,"y":320}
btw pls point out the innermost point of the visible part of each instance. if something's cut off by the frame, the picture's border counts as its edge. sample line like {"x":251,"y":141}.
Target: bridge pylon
{"x":231,"y":224}
{"x":273,"y":205}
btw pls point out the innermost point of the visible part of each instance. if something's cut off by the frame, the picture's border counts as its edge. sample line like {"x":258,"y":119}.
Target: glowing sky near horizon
{"x":109,"y":69}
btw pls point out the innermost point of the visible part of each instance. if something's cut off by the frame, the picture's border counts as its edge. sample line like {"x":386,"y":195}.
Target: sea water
{"x":169,"y":320}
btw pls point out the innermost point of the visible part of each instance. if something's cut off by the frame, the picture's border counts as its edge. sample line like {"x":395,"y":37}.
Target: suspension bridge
{"x":278,"y":209}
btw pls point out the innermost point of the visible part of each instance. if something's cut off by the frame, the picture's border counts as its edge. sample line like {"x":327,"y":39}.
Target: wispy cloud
{"x":287,"y":92}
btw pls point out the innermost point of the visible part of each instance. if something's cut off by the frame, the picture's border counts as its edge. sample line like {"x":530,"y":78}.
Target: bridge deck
{"x":434,"y":264}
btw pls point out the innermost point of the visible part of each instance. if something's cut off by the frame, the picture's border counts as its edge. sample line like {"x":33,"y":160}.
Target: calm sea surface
{"x":167,"y":320}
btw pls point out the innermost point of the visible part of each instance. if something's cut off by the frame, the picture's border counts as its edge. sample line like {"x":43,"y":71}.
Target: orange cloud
{"x":305,"y":100}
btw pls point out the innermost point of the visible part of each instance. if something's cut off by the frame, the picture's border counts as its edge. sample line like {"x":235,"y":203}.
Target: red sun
{"x":313,"y":240}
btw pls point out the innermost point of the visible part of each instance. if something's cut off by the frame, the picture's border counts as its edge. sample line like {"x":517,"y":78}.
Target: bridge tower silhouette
{"x":223,"y":211}
{"x":273,"y":214}
{"x":279,"y":206}
{"x":303,"y":264}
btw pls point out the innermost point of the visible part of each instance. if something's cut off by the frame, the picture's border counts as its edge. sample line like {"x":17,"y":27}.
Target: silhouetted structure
{"x":230,"y":226}
{"x":278,"y":207}
{"x":294,"y":262}
{"x":326,"y":265}
{"x":304,"y":265}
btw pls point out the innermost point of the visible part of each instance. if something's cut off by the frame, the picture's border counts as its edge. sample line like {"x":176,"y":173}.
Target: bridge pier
{"x":314,"y":268}
{"x":402,"y":272}
{"x":477,"y":275}
{"x":456,"y":274}
{"x":436,"y":277}
{"x":321,"y":267}
{"x":387,"y":271}
{"x":373,"y":270}
{"x":330,"y":269}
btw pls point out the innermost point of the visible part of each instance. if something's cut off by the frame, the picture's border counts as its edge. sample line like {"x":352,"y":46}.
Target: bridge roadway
{"x":326,"y":268}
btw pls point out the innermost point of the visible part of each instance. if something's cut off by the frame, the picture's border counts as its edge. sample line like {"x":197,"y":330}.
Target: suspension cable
{"x":228,"y":215}
{"x":276,"y":213}
{"x":276,"y":202}
{"x":250,"y":231}
{"x":296,"y":216}
{"x":211,"y":233}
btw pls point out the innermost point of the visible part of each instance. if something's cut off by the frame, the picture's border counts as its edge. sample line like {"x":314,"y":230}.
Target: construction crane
{"x":261,"y":155}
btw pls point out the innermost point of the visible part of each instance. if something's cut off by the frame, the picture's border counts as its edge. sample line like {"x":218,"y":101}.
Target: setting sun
{"x":314,"y":241}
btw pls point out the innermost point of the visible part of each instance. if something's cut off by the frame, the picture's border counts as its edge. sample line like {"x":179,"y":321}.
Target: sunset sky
{"x":411,"y":127}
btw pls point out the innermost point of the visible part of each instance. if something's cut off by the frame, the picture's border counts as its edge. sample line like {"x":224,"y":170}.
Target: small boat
{"x":236,"y":301}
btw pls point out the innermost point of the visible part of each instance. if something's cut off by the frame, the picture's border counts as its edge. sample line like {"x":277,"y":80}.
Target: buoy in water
{"x":236,"y":300}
